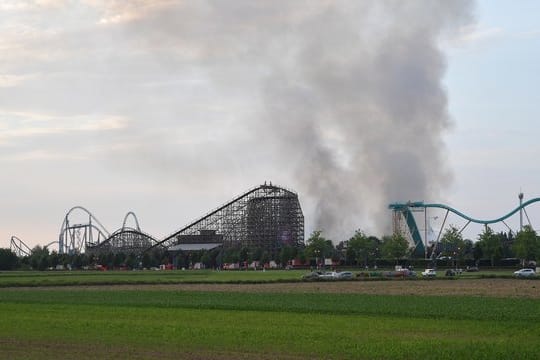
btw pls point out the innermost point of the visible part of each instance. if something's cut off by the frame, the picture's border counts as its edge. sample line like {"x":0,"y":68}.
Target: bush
{"x":8,"y":260}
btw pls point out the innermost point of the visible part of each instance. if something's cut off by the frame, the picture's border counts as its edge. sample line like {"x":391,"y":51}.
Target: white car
{"x":429,"y":273}
{"x":328,"y":276}
{"x":524,"y":273}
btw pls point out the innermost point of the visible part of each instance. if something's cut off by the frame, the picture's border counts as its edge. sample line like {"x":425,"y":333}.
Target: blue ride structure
{"x":403,"y":218}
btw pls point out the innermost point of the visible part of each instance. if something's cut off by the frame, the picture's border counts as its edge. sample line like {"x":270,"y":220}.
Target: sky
{"x":493,"y":91}
{"x":170,"y":109}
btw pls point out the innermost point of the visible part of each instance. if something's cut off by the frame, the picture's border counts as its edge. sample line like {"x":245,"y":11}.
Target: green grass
{"x":176,"y":324}
{"x":64,"y":278}
{"x":60,"y":278}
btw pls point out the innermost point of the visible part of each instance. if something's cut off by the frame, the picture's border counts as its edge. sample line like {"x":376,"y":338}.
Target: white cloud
{"x":8,"y":80}
{"x":119,"y":12}
{"x":476,"y":33}
{"x":16,"y":125}
{"x":41,"y":155}
{"x":26,"y":5}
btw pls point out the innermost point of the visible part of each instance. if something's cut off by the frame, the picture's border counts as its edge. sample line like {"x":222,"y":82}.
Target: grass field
{"x":59,"y":278}
{"x":225,"y":325}
{"x":45,"y":278}
{"x":264,"y":315}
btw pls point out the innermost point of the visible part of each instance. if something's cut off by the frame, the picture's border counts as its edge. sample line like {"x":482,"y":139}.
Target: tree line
{"x":41,"y":258}
{"x":359,"y":250}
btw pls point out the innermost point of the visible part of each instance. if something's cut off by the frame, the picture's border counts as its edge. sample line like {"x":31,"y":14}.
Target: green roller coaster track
{"x":405,"y":210}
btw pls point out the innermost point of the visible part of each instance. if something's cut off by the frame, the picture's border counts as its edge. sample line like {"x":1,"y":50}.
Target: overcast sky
{"x":171,"y":108}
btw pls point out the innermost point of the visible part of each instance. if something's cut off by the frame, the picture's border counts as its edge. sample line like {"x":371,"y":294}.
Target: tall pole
{"x":425,"y":233}
{"x":520,"y":211}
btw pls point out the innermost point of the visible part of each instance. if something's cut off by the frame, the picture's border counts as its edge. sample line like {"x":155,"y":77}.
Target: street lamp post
{"x":317,"y":252}
{"x":429,"y":231}
{"x":520,"y":196}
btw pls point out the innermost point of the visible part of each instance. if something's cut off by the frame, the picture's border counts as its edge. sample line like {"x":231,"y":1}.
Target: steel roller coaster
{"x":91,"y":236}
{"x":19,"y":247}
{"x":266,"y":216}
{"x":405,"y":222}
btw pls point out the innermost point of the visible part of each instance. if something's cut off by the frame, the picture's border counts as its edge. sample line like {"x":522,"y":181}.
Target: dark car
{"x":314,"y":275}
{"x":450,"y":272}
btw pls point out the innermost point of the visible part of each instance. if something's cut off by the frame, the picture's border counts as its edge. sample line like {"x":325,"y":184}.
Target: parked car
{"x":331,"y":275}
{"x":524,"y":273}
{"x":403,"y":273}
{"x":344,"y":275}
{"x":429,"y":273}
{"x":314,"y":275}
{"x":450,"y":272}
{"x":472,"y":269}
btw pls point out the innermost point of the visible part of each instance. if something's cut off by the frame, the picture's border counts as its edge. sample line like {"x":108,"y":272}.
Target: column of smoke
{"x":349,"y":94}
{"x":359,"y":100}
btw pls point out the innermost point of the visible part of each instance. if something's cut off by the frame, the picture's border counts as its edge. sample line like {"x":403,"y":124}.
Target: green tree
{"x":146,"y":260}
{"x":131,"y":261}
{"x":319,"y":247}
{"x":395,"y":247}
{"x":285,"y":254}
{"x":255,"y":254}
{"x":8,"y":259}
{"x":119,"y":259}
{"x":39,"y":258}
{"x":265,"y":257}
{"x":468,"y":249}
{"x":490,"y":243}
{"x":361,"y":247}
{"x":206,"y":259}
{"x":453,"y":244}
{"x":244,"y":255}
{"x":507,"y":239}
{"x":77,"y":261}
{"x":477,"y":252}
{"x":301,"y":255}
{"x":54,"y":259}
{"x":526,"y":245}
{"x":231,"y":256}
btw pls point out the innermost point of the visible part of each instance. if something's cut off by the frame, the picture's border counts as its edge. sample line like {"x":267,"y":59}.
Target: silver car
{"x":525,"y":273}
{"x":344,"y":275}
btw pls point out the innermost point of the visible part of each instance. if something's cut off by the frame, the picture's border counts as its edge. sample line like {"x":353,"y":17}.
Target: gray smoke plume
{"x":354,"y":98}
{"x":345,"y":98}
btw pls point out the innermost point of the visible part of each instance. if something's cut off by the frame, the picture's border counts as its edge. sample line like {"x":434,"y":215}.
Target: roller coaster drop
{"x":405,"y":223}
{"x":19,"y":247}
{"x":266,"y":216}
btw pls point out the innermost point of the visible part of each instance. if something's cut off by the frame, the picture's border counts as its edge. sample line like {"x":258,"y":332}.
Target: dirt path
{"x":472,"y":287}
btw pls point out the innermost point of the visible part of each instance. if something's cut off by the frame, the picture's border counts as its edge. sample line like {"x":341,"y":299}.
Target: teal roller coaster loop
{"x":402,"y":206}
{"x":405,"y":210}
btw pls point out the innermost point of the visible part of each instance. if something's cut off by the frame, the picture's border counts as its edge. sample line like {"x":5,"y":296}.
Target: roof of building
{"x":194,"y":247}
